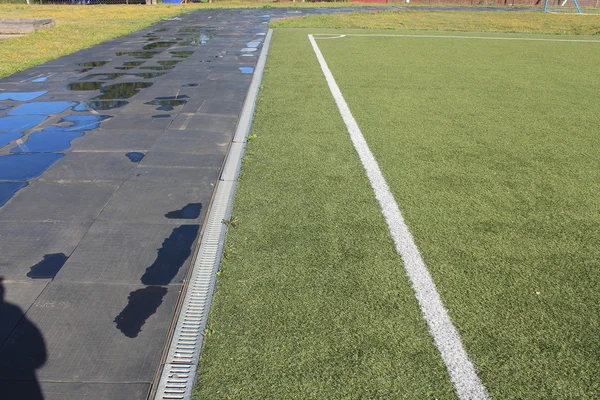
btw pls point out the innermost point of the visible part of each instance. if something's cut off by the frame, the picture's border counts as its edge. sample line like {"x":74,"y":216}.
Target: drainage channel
{"x":179,"y":371}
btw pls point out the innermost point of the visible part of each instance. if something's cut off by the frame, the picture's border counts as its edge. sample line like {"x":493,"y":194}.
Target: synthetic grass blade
{"x":445,"y":335}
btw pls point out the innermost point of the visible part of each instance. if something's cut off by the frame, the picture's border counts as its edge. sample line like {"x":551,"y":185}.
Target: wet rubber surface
{"x":108,"y":160}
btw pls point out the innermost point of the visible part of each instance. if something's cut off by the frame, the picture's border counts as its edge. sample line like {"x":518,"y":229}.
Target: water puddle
{"x":174,"y":252}
{"x":141,"y":305}
{"x":103,"y":77}
{"x":135,"y":157}
{"x":190,"y":85}
{"x":157,"y":45}
{"x":190,"y":211}
{"x":21,"y":96}
{"x":247,"y":70}
{"x":47,"y":142}
{"x":261,"y":34}
{"x":99,"y":105}
{"x":182,"y":54}
{"x":40,"y":79}
{"x":130,"y":65}
{"x":81,"y":86}
{"x":93,"y":64}
{"x":162,"y":30}
{"x":169,"y":62}
{"x":167,"y":103}
{"x":148,"y":75}
{"x":201,"y":39}
{"x":7,"y":137}
{"x":42,"y":108}
{"x":84,"y":70}
{"x":247,"y":55}
{"x":78,"y":123}
{"x":248,"y":50}
{"x":188,"y":29}
{"x":2,"y":108}
{"x":8,"y":190}
{"x":138,"y":54}
{"x":254,"y":43}
{"x":20,"y":122}
{"x":21,"y":167}
{"x":161,"y":116}
{"x":119,"y":91}
{"x":159,"y":67}
{"x":48,"y":267}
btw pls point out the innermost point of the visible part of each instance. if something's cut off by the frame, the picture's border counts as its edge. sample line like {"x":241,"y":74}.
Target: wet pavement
{"x":108,"y":160}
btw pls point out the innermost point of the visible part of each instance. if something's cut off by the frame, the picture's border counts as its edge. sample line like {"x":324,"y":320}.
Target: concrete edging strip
{"x":178,"y":374}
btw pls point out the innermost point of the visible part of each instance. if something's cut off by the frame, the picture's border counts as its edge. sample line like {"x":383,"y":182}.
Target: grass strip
{"x":490,"y":148}
{"x":480,"y":21}
{"x":312,"y":301}
{"x":77,"y":27}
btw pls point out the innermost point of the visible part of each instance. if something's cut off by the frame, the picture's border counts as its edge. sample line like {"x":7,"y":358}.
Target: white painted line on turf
{"x":454,"y":37}
{"x":461,"y":370}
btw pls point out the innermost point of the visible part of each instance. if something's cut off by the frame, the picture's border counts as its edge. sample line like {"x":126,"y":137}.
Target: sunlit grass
{"x":481,"y":21}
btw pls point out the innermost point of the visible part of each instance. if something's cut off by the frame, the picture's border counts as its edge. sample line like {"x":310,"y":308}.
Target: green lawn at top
{"x":491,"y":150}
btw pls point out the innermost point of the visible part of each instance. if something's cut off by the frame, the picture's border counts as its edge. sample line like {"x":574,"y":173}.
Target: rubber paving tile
{"x":135,"y":248}
{"x":118,"y":140}
{"x":18,"y":296}
{"x":92,"y":166}
{"x":178,"y":175}
{"x":138,"y":201}
{"x":63,"y":341}
{"x":32,"y":390}
{"x":24,"y":244}
{"x":72,"y":201}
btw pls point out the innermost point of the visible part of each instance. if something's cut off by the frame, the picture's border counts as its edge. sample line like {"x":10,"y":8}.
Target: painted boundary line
{"x":462,"y":372}
{"x":334,"y":36}
{"x":179,"y":372}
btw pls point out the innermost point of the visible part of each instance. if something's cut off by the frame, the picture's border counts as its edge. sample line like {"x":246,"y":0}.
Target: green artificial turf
{"x":312,"y":301}
{"x":491,"y":150}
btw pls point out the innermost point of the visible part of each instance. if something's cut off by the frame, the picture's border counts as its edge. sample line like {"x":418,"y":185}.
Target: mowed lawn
{"x":491,"y":150}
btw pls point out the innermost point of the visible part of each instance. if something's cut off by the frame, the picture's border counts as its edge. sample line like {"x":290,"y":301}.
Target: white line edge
{"x":467,"y":384}
{"x":453,"y":37}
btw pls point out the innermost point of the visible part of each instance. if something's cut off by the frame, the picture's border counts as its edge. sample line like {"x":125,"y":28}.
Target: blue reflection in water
{"x":21,"y":96}
{"x":8,"y":189}
{"x":41,"y":108}
{"x":20,"y":122}
{"x":135,"y":157}
{"x":78,"y":123}
{"x":21,"y":167}
{"x":247,"y":70}
{"x":7,"y":137}
{"x":41,"y":79}
{"x":47,"y":142}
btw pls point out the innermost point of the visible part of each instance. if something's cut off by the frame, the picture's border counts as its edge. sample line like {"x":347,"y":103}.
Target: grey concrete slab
{"x":24,"y":244}
{"x":150,"y":201}
{"x":110,"y":344}
{"x":71,"y":201}
{"x":15,"y":299}
{"x":91,"y":166}
{"x":221,"y":107}
{"x":121,"y":253}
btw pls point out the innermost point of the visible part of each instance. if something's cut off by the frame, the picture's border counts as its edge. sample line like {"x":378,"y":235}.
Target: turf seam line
{"x":179,"y":371}
{"x":460,"y":368}
{"x":455,"y":37}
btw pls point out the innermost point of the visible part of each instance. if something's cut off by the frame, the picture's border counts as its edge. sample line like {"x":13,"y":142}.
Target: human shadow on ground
{"x":22,"y":352}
